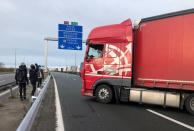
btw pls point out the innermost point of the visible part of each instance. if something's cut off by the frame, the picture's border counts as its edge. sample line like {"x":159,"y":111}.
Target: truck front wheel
{"x":104,"y":94}
{"x":189,"y":104}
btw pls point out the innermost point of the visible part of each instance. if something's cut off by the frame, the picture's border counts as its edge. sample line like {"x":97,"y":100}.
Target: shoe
{"x":24,"y":98}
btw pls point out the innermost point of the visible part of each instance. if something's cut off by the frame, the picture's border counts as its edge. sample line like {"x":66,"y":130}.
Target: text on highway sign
{"x":69,"y":37}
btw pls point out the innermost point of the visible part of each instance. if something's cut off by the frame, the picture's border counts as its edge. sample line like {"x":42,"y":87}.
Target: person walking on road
{"x":33,"y":78}
{"x":37,"y":70}
{"x":22,"y":79}
{"x":40,"y":76}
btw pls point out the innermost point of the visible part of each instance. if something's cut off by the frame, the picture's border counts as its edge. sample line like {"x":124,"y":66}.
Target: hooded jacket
{"x":21,"y":74}
{"x":33,"y":76}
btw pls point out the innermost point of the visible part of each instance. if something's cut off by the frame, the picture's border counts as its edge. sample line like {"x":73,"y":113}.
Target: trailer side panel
{"x":164,"y":53}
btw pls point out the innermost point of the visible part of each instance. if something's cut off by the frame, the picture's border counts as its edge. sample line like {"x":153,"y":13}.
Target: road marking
{"x":2,"y":81}
{"x":7,"y":91}
{"x":5,"y":75}
{"x":172,"y":120}
{"x":60,"y":123}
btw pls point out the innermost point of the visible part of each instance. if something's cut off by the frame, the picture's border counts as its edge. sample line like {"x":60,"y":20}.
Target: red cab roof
{"x":112,"y":33}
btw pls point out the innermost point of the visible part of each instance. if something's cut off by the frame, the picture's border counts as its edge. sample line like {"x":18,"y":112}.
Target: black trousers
{"x":34,"y":88}
{"x":39,"y":82}
{"x":22,"y":90}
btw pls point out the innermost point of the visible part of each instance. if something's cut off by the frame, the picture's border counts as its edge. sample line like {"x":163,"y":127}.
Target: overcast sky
{"x":25,"y":23}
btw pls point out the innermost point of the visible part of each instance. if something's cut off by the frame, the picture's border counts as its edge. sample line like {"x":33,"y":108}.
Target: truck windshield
{"x":95,"y":51}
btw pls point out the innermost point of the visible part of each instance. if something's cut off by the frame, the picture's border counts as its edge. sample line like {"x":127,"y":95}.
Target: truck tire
{"x":104,"y":94}
{"x":189,"y":104}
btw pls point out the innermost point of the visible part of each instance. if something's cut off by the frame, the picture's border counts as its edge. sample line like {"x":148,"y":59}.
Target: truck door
{"x":117,"y":62}
{"x":111,"y":61}
{"x":94,"y":66}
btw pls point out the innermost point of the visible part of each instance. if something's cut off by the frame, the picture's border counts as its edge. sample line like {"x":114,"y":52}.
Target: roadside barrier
{"x":7,"y":85}
{"x":28,"y":120}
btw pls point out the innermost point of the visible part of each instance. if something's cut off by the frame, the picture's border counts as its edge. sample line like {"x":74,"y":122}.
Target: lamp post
{"x":15,"y":60}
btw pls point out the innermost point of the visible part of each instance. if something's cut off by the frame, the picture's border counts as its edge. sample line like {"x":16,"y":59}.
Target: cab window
{"x":95,"y":51}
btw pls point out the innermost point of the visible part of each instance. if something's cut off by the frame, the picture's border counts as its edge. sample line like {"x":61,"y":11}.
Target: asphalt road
{"x":85,"y":114}
{"x":6,"y":78}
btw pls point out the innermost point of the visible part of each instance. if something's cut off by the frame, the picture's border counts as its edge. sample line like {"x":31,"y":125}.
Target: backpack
{"x":21,"y":75}
{"x":33,"y":76}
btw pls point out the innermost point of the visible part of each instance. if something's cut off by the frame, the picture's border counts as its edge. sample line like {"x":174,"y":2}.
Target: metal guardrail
{"x":28,"y":120}
{"x":7,"y":85}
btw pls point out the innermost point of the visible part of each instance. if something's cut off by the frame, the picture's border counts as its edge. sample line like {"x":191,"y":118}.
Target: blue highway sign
{"x":69,"y":37}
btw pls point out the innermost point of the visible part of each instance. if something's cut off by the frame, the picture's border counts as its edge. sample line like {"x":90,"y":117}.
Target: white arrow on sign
{"x":78,"y":47}
{"x":62,"y":46}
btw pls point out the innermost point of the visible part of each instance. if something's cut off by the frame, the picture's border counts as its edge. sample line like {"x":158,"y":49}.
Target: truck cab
{"x":108,"y":60}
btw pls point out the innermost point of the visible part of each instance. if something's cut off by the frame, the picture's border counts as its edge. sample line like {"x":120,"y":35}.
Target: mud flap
{"x":124,"y":94}
{"x":117,"y":94}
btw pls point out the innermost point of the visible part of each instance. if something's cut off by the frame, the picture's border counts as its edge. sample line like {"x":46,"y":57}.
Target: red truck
{"x":151,"y":62}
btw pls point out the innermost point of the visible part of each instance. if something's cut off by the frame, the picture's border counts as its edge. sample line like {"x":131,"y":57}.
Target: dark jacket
{"x":21,"y":74}
{"x":33,"y":76}
{"x":36,"y":67}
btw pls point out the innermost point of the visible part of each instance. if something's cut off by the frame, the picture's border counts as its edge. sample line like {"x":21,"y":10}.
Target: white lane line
{"x":2,"y":81}
{"x":60,"y":124}
{"x":172,"y":120}
{"x":5,"y":75}
{"x":8,"y":91}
